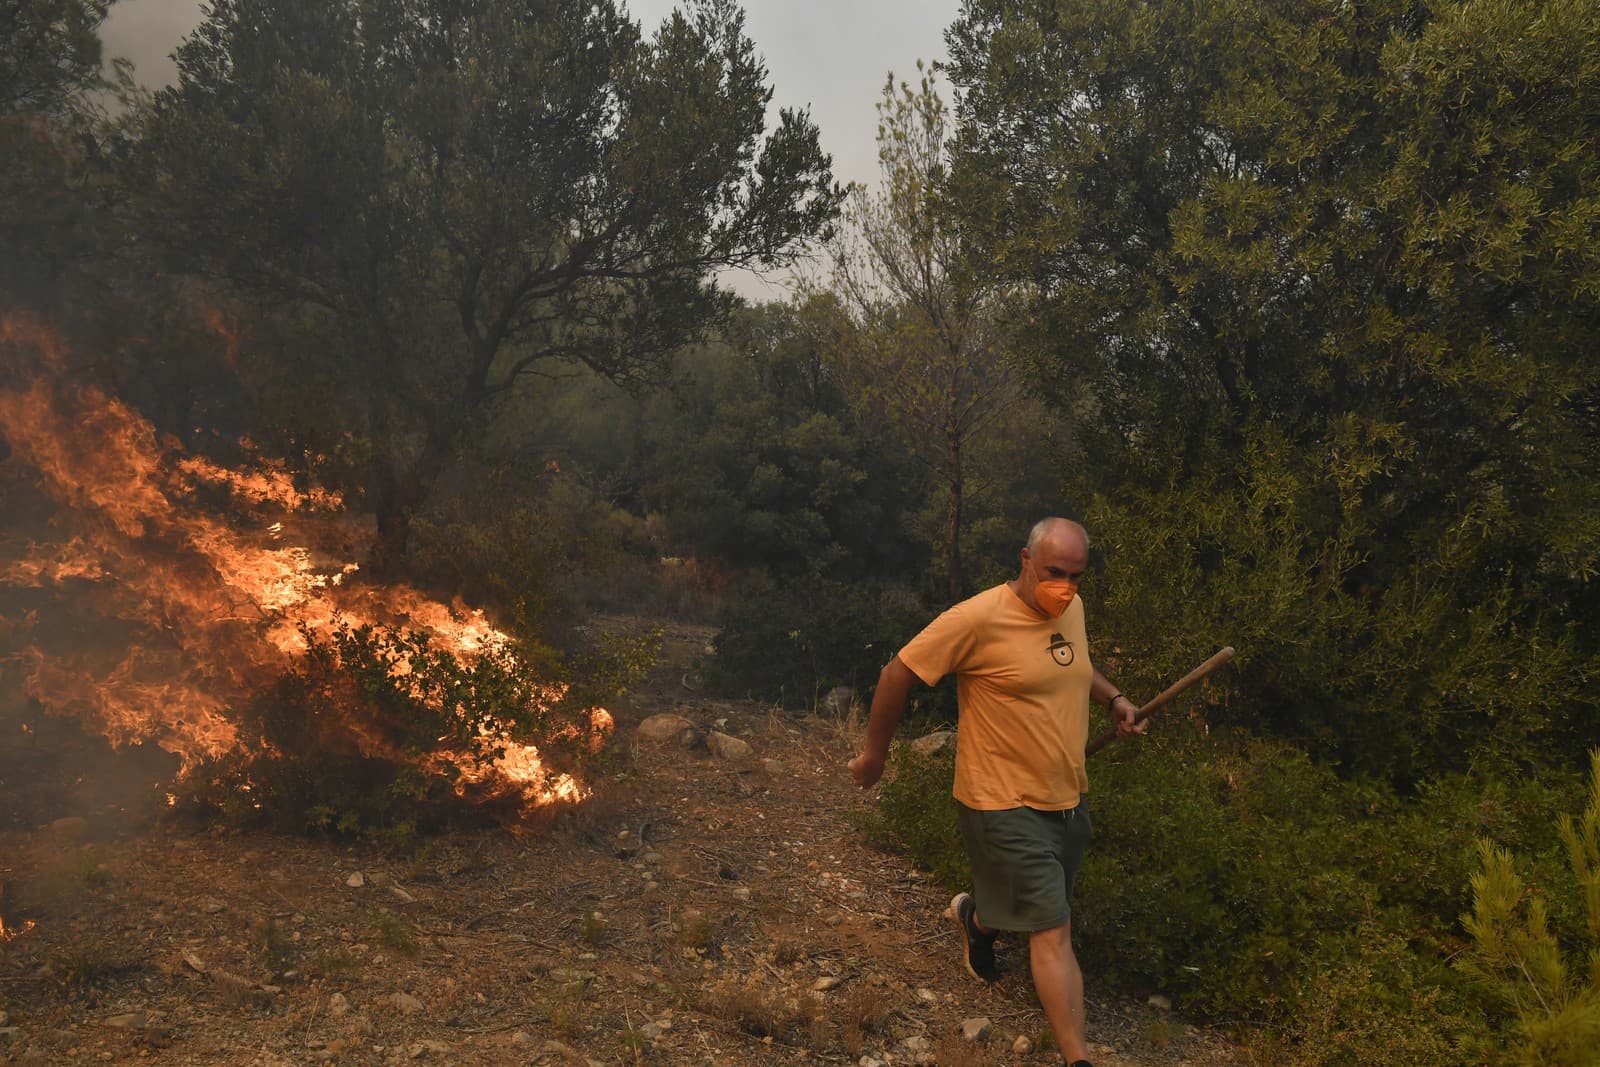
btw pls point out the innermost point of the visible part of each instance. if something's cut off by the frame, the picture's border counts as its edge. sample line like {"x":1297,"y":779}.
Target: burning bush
{"x":216,"y":612}
{"x":375,"y":730}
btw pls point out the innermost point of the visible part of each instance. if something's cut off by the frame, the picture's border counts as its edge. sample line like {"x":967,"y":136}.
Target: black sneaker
{"x":977,"y":946}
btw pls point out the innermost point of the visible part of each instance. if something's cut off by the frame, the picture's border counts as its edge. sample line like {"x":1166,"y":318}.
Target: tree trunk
{"x":952,"y":524}
{"x":398,"y":484}
{"x":394,"y":500}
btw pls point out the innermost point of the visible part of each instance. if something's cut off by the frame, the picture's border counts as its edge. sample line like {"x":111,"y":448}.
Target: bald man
{"x":1020,"y":654}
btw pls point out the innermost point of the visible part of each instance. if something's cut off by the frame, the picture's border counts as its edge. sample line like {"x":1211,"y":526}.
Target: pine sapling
{"x":1514,"y":956}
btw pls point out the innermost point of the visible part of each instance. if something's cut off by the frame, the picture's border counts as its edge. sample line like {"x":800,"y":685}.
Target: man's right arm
{"x":888,"y":703}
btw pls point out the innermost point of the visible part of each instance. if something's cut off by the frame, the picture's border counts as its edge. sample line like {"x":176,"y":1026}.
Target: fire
{"x":271,"y":483}
{"x":194,"y":610}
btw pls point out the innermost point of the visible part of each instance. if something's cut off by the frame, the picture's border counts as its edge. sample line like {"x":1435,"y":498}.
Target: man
{"x":1020,"y":654}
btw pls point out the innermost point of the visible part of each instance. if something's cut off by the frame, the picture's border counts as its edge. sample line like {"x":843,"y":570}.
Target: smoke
{"x":147,"y":32}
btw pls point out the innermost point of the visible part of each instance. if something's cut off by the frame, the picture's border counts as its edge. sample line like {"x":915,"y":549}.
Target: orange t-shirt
{"x":1022,"y":684}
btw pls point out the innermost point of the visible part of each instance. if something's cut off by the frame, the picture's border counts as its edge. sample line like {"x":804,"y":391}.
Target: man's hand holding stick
{"x":1217,"y":660}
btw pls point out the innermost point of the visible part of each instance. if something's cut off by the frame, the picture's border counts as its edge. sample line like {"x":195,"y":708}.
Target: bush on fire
{"x":381,"y":733}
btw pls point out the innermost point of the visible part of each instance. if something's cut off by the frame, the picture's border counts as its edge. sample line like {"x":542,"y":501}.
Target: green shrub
{"x":1425,"y":857}
{"x":1367,"y":997}
{"x":792,"y":641}
{"x":516,"y":543}
{"x":917,"y":813}
{"x":1215,"y":865}
{"x":1256,"y":887}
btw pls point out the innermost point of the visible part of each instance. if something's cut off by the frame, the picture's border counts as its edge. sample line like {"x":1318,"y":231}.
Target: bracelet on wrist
{"x":1113,"y":701}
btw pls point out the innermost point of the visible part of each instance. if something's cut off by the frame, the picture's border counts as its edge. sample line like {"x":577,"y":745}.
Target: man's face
{"x":1063,"y":557}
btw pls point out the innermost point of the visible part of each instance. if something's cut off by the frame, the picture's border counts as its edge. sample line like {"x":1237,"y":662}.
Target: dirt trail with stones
{"x":713,"y":904}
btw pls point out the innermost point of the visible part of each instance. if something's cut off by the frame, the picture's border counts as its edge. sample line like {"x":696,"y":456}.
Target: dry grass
{"x":593,"y":929}
{"x":952,"y":1051}
{"x":695,"y":931}
{"x":842,"y":731}
{"x":85,"y":968}
{"x":568,"y":1011}
{"x":756,"y":1009}
{"x":394,"y":933}
{"x":1159,"y":1031}
{"x":334,"y":963}
{"x":787,"y":951}
{"x":864,"y":1011}
{"x":62,"y":886}
{"x":276,"y":952}
{"x":419,"y":861}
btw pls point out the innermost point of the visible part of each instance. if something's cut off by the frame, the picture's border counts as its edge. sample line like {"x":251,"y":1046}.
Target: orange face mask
{"x":1054,"y":596}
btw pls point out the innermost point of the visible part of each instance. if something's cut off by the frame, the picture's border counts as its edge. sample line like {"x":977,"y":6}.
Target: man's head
{"x":1056,"y":556}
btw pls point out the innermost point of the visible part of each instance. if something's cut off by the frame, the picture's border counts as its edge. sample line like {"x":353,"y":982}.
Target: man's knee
{"x":1058,"y":938}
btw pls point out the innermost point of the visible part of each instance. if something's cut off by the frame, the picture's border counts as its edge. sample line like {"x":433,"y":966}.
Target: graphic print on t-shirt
{"x":1024,"y":704}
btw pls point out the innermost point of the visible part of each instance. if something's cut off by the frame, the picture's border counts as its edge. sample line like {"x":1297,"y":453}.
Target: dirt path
{"x":700,"y":910}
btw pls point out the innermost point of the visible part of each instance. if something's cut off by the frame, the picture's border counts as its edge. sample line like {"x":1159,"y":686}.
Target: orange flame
{"x":222,"y":610}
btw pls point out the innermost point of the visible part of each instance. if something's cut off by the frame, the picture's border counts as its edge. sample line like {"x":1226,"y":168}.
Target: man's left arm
{"x":1123,"y":710}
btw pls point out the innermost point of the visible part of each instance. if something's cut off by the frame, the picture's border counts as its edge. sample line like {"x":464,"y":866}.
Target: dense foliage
{"x":1328,"y":273}
{"x":49,"y":54}
{"x":54,"y":192}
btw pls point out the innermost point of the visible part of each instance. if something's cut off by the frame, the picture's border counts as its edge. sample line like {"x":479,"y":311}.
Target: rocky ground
{"x":708,"y":906}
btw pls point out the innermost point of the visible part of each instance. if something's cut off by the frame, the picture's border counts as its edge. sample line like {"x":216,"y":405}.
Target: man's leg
{"x":1059,"y":983}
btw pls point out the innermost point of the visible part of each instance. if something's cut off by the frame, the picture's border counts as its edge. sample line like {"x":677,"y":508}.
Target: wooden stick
{"x":1217,"y":660}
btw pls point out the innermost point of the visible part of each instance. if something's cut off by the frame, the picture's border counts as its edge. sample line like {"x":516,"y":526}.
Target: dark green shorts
{"x":1024,"y":863}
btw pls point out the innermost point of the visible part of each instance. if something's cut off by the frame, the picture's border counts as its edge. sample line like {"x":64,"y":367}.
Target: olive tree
{"x":451,"y":192}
